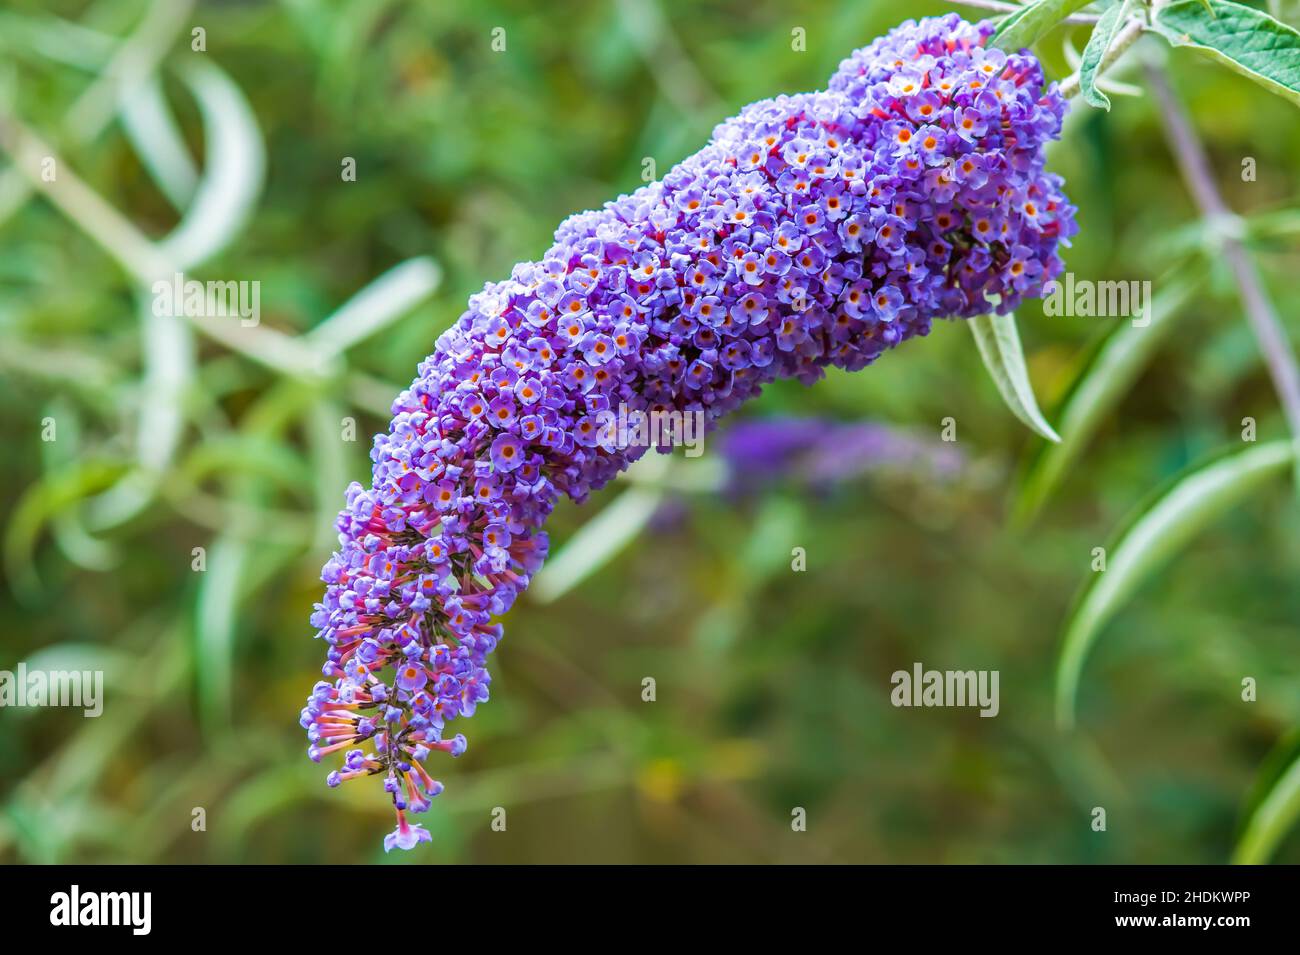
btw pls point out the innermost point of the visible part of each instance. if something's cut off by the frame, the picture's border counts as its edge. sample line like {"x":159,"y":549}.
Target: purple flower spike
{"x":816,"y":230}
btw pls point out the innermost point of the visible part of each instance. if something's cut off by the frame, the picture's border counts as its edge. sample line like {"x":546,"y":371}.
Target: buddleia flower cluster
{"x":814,"y":230}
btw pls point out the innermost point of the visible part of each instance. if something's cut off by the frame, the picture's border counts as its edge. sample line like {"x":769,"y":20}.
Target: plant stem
{"x":1192,"y":161}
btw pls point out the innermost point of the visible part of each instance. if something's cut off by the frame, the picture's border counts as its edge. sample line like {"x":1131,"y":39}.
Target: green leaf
{"x":58,"y":40}
{"x":68,"y":524}
{"x":330,"y":462}
{"x":1189,"y":504}
{"x":169,"y":350}
{"x":1108,"y":375}
{"x":377,"y":306}
{"x":1243,"y":39}
{"x":1277,"y":807}
{"x":603,"y":537}
{"x":999,"y":345}
{"x":150,"y":124}
{"x":234,"y":167}
{"x":44,"y":500}
{"x":117,"y":665}
{"x":1103,"y":35}
{"x":1281,"y":224}
{"x":271,"y":792}
{"x":1026,"y":25}
{"x":217,"y":616}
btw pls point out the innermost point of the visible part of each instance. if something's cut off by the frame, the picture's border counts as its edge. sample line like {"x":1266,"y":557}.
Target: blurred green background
{"x":772,"y":686}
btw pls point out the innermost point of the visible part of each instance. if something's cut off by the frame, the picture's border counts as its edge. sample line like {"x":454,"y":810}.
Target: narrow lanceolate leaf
{"x":603,"y":537}
{"x":1273,"y":817}
{"x":1103,"y":34}
{"x":1281,"y":224}
{"x":378,"y":305}
{"x":151,"y":126}
{"x":1241,"y":38}
{"x":216,"y":625}
{"x":1100,"y":387}
{"x":1192,"y":501}
{"x":329,"y":463}
{"x":999,"y":345}
{"x":1026,"y":25}
{"x":601,"y":540}
{"x":234,"y":167}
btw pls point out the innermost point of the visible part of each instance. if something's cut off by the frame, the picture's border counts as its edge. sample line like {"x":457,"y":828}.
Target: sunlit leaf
{"x":168,"y":348}
{"x":602,"y":537}
{"x":1177,"y":514}
{"x":1241,"y":38}
{"x":1103,"y":34}
{"x":1275,"y":808}
{"x":999,"y":346}
{"x":115,"y":664}
{"x":134,"y":57}
{"x":59,"y":40}
{"x":377,"y":306}
{"x":1022,"y":27}
{"x":1099,"y":387}
{"x":70,"y":531}
{"x":149,"y":123}
{"x":1273,"y":225}
{"x":216,"y":613}
{"x":329,"y":466}
{"x":234,"y":164}
{"x":41,"y":502}
{"x":242,"y":453}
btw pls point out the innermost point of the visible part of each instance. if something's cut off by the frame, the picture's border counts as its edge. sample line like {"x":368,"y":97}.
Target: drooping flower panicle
{"x":814,"y":230}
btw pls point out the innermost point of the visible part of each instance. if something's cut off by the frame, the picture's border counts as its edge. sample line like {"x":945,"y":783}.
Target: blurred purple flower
{"x":821,"y":454}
